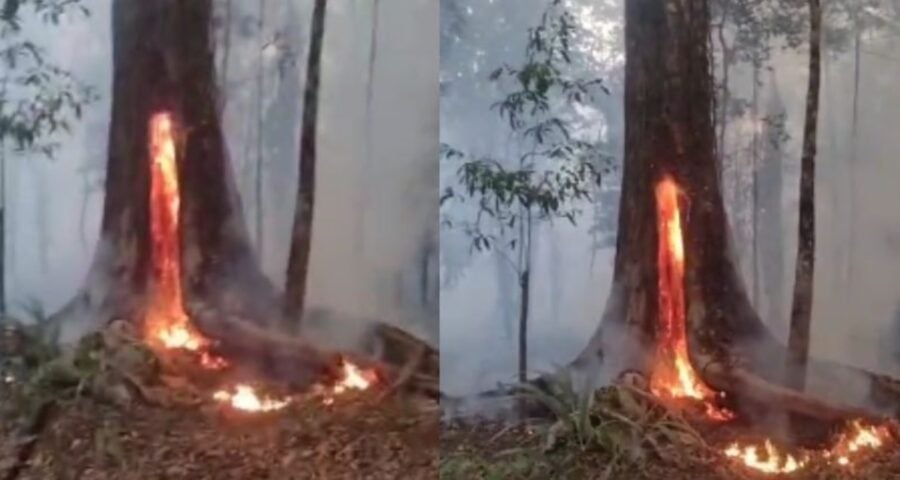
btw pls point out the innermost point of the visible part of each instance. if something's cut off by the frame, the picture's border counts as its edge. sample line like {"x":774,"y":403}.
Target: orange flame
{"x":354,"y":379}
{"x":166,"y":323}
{"x":673,"y":376}
{"x":245,"y":398}
{"x":857,"y":439}
{"x":768,"y":461}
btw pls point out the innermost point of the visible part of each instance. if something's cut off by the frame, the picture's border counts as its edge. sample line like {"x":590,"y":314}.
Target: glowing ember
{"x":245,"y":398}
{"x":770,"y":460}
{"x":673,"y":376}
{"x":166,"y":324}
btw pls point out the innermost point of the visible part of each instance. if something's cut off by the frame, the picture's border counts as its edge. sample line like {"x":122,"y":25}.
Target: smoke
{"x":376,"y":201}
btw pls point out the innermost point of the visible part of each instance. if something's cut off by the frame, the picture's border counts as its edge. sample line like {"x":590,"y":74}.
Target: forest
{"x":667,"y":249}
{"x":203,"y":270}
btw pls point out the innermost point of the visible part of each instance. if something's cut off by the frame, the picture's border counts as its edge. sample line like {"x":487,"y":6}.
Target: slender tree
{"x":801,"y":310}
{"x":301,"y":237}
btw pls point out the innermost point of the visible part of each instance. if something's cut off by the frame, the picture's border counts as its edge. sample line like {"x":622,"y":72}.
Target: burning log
{"x":415,"y":365}
{"x":280,"y":358}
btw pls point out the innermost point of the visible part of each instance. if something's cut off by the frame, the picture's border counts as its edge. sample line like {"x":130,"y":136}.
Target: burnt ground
{"x":356,"y":437}
{"x":489,"y":450}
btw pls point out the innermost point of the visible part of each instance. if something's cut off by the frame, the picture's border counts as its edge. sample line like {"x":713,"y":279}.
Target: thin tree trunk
{"x":525,"y":299}
{"x":301,"y":238}
{"x":2,"y":229}
{"x":755,"y":180}
{"x":854,"y":159}
{"x":801,"y":311}
{"x":260,"y":157}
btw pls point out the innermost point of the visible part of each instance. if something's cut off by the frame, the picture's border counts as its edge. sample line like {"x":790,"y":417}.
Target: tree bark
{"x":301,"y":238}
{"x":801,"y":311}
{"x":163,"y":61}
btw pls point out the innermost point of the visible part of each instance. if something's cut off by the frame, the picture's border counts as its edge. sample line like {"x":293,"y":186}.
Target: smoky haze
{"x":376,"y":204}
{"x":854,"y":318}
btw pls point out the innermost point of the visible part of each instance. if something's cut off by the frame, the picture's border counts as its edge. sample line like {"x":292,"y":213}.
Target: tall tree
{"x":163,"y":61}
{"x":669,"y":131}
{"x":301,"y":237}
{"x":801,"y":310}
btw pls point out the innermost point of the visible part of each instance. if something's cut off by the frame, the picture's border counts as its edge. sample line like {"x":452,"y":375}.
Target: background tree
{"x":301,"y":238}
{"x":801,"y":310}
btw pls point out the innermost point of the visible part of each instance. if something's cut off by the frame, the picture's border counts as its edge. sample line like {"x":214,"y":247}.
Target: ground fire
{"x":167,"y":326}
{"x":674,"y":378}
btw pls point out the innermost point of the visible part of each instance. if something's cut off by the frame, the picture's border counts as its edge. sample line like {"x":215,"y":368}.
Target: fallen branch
{"x":746,"y":385}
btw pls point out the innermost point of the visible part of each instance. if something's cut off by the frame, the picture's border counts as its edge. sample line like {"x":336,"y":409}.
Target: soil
{"x":355,"y":437}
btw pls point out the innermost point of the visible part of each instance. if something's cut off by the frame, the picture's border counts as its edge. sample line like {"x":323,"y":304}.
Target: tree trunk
{"x":260,"y":155}
{"x":801,"y":311}
{"x":525,"y":290}
{"x":854,"y":160}
{"x":162,"y":61}
{"x":754,"y":256}
{"x":301,"y":238}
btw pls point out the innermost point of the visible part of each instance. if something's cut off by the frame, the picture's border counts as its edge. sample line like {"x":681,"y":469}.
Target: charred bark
{"x":801,"y":310}
{"x":301,"y":238}
{"x":163,"y":61}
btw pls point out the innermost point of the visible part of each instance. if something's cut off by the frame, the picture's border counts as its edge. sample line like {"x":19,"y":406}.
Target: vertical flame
{"x":166,"y":323}
{"x":673,"y":376}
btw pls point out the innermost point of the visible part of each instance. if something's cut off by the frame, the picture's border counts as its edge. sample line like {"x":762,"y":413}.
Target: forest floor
{"x":491,"y":450}
{"x":623,"y":438}
{"x":111,"y":410}
{"x":352,"y":438}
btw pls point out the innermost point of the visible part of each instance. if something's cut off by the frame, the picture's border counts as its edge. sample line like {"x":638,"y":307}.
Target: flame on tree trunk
{"x":673,"y":376}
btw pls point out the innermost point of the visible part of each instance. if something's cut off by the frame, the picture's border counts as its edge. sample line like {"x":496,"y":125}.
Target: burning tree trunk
{"x":164,"y":94}
{"x":301,"y":238}
{"x":801,"y":311}
{"x":678,"y":310}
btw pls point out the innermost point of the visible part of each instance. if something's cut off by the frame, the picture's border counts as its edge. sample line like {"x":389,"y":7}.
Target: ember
{"x":673,"y":376}
{"x":245,"y":398}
